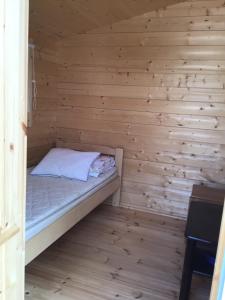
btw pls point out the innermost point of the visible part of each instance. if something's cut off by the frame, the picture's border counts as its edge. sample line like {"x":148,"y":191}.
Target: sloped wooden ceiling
{"x":61,"y":18}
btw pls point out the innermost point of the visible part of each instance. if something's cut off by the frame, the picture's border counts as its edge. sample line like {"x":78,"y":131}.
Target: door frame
{"x":14,"y":15}
{"x":218,"y":282}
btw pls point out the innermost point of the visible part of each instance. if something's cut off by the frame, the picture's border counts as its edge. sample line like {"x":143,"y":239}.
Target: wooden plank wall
{"x":154,"y":85}
{"x":41,"y":136}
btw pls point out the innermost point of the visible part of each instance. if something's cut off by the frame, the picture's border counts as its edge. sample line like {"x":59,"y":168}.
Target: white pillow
{"x":66,"y":163}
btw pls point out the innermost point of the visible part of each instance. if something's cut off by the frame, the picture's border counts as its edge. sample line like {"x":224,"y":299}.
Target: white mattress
{"x":48,"y":198}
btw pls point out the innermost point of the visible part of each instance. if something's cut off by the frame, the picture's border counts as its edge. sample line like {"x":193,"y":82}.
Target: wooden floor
{"x":114,"y":254}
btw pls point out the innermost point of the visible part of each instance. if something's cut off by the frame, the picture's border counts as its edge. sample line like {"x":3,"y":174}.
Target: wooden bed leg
{"x":116,"y":198}
{"x":119,"y":165}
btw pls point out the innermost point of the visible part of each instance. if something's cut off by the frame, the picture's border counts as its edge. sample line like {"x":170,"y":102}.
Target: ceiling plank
{"x":62,"y":18}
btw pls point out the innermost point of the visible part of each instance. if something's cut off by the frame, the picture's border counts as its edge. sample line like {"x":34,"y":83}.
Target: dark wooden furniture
{"x":207,"y":194}
{"x":202,"y":233}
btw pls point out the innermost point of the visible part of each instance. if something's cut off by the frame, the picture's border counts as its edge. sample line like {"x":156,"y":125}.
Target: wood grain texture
{"x":13,"y":142}
{"x":153,"y":85}
{"x":114,"y":253}
{"x":41,"y":136}
{"x":62,"y":18}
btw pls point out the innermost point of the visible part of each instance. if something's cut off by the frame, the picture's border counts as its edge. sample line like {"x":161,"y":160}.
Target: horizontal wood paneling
{"x":171,"y":133}
{"x":147,"y":117}
{"x":143,"y":79}
{"x":141,"y":144}
{"x":155,"y":86}
{"x":98,"y":54}
{"x":178,"y":23}
{"x":194,"y":38}
{"x":42,"y":134}
{"x":106,"y":92}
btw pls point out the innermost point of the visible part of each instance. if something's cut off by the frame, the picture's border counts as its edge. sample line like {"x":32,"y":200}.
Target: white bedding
{"x":101,"y":165}
{"x":48,"y":198}
{"x":62,"y":162}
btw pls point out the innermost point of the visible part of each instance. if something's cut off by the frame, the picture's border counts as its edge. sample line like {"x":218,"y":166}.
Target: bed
{"x":54,"y":205}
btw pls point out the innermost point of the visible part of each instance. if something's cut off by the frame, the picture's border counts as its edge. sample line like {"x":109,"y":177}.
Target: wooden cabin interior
{"x":147,"y":77}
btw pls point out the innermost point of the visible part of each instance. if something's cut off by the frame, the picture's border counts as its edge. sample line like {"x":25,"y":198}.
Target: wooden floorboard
{"x":114,"y":253}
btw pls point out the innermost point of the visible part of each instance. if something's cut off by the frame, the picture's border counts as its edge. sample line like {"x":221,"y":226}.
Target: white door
{"x":13,"y":98}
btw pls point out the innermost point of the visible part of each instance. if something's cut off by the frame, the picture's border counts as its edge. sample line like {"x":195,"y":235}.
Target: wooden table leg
{"x":187,"y":270}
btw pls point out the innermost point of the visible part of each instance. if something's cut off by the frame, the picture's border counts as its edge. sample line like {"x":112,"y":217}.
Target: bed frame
{"x":50,"y":234}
